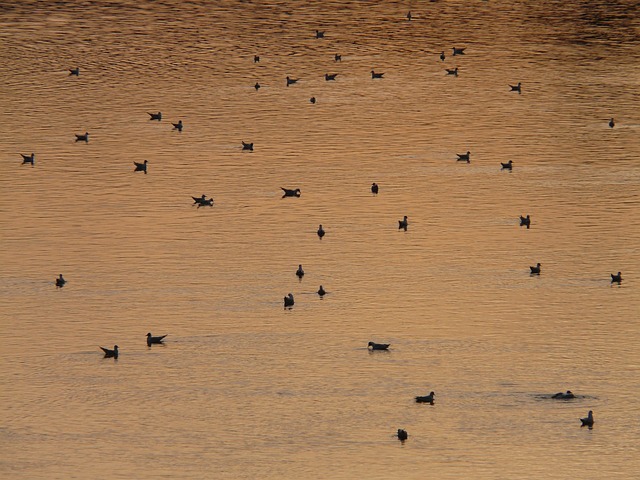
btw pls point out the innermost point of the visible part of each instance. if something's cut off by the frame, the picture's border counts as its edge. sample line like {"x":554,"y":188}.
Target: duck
{"x":319,"y":34}
{"x":321,"y":231}
{"x":516,"y":88}
{"x":29,"y":159}
{"x":376,"y":75}
{"x":426,"y":399}
{"x":74,"y":71}
{"x":202,"y":200}
{"x":402,"y":435}
{"x":288,"y":300}
{"x":300,"y":272}
{"x":616,"y":278}
{"x":291,"y":81}
{"x":507,"y":166}
{"x":458,"y":51}
{"x":60,"y":281}
{"x":612,"y":123}
{"x":337,"y":58}
{"x":290,"y":193}
{"x":141,"y":167}
{"x":404,"y":223}
{"x":108,"y":353}
{"x":256,"y":59}
{"x":257,"y":86}
{"x":525,"y":221}
{"x":442,"y":56}
{"x":374,"y":188}
{"x":564,"y":396}
{"x":378,"y":346}
{"x":588,"y":420}
{"x":247,"y":146}
{"x":155,"y":116}
{"x":321,"y":291}
{"x":409,"y":16}
{"x":452,"y":71}
{"x":151,"y":339}
{"x":535,"y":270}
{"x":177,"y":126}
{"x":312,"y":99}
{"x":84,"y":137}
{"x":331,"y":76}
{"x":464,"y":157}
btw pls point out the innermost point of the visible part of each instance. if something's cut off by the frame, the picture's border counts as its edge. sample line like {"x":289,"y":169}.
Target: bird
{"x":321,"y":231}
{"x":247,"y":146}
{"x":442,"y":57}
{"x":612,"y":123}
{"x":426,"y":399}
{"x":155,"y":116}
{"x":564,"y":396}
{"x":378,"y":346}
{"x":329,"y":77}
{"x":588,"y":420}
{"x":29,"y":159}
{"x":507,"y":166}
{"x":60,"y":282}
{"x":202,"y":201}
{"x":288,"y":300}
{"x":291,"y":81}
{"x":257,"y":86}
{"x":525,"y":221}
{"x":290,"y":193}
{"x":108,"y":353}
{"x":300,"y":272}
{"x":151,"y":340}
{"x":402,"y":435}
{"x":74,"y":71}
{"x":177,"y":126}
{"x":616,"y":278}
{"x":535,"y":270}
{"x":321,"y":291}
{"x":256,"y":58}
{"x":452,"y":71}
{"x":319,"y":34}
{"x":404,"y":223}
{"x":82,"y":137}
{"x":516,"y":88}
{"x":141,"y":167}
{"x":464,"y":157}
{"x":376,"y":75}
{"x":312,"y":99}
{"x":409,"y":16}
{"x":337,"y":58}
{"x":458,"y":51}
{"x":374,"y":188}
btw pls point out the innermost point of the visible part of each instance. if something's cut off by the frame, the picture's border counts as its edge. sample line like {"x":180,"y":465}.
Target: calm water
{"x":245,"y":389}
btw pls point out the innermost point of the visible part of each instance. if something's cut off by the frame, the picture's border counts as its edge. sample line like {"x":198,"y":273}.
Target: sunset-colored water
{"x":243,"y":388}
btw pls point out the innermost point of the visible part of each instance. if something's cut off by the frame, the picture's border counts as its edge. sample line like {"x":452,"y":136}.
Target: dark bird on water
{"x":83,"y":137}
{"x":300,"y":272}
{"x":321,"y":291}
{"x":288,"y":300}
{"x":612,"y":123}
{"x":60,"y":282}
{"x":155,"y":116}
{"x":141,"y":167}
{"x":464,"y":157}
{"x":28,"y":159}
{"x":291,"y":81}
{"x":256,"y":59}
{"x":516,"y":88}
{"x":404,"y":223}
{"x":426,"y":399}
{"x":319,"y":34}
{"x":321,"y":231}
{"x":74,"y":71}
{"x":312,"y":99}
{"x":442,"y":57}
{"x":247,"y":146}
{"x":290,"y":193}
{"x":507,"y":166}
{"x":257,"y":86}
{"x":177,"y":126}
{"x":151,"y":339}
{"x":525,"y":221}
{"x":458,"y":51}
{"x":452,"y":71}
{"x":378,"y":346}
{"x":409,"y":16}
{"x":337,"y":57}
{"x":376,"y":75}
{"x":203,"y":201}
{"x":535,"y":270}
{"x":374,"y":188}
{"x":564,"y":396}
{"x":588,"y":420}
{"x":331,"y":76}
{"x":108,"y":353}
{"x":616,"y":278}
{"x":402,"y":435}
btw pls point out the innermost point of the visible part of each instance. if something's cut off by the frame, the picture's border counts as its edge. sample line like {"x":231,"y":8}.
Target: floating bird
{"x":525,"y":221}
{"x":337,"y":58}
{"x":452,"y":71}
{"x":291,"y":81}
{"x":155,"y":116}
{"x":151,"y":340}
{"x":376,"y":75}
{"x":60,"y":282}
{"x":257,"y":86}
{"x":288,"y":300}
{"x":202,"y":201}
{"x":516,"y":88}
{"x":177,"y":126}
{"x":74,"y":71}
{"x":402,"y":435}
{"x":535,"y":270}
{"x":319,"y":34}
{"x":378,"y":346}
{"x":426,"y":398}
{"x":329,"y":77}
{"x":300,"y":272}
{"x":82,"y":137}
{"x":442,"y":57}
{"x":29,"y":159}
{"x":321,"y":291}
{"x":374,"y":188}
{"x":507,"y":166}
{"x":321,"y":231}
{"x":141,"y":167}
{"x":256,"y":59}
{"x":108,"y":353}
{"x":458,"y":51}
{"x":464,"y":157}
{"x":247,"y":146}
{"x":564,"y":396}
{"x":312,"y":99}
{"x":409,"y":16}
{"x":404,"y":223}
{"x":588,"y":421}
{"x":616,"y":278}
{"x":290,"y":193}
{"x":612,"y":123}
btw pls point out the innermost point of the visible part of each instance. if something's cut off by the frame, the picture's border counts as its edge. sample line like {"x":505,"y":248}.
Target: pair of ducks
{"x":151,"y":340}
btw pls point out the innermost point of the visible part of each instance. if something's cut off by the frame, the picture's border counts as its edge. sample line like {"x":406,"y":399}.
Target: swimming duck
{"x":374,"y":188}
{"x":404,"y":223}
{"x":247,"y":146}
{"x":409,"y":16}
{"x":290,"y":193}
{"x":458,"y":51}
{"x":291,"y":81}
{"x":378,"y":346}
{"x":612,"y":123}
{"x":321,"y":231}
{"x":151,"y":340}
{"x":177,"y":126}
{"x":256,"y":59}
{"x":29,"y":159}
{"x":155,"y":116}
{"x":535,"y":270}
{"x":321,"y":291}
{"x":60,"y":282}
{"x":376,"y":75}
{"x":312,"y":99}
{"x":329,"y":77}
{"x":257,"y":86}
{"x":141,"y":167}
{"x":525,"y":221}
{"x":507,"y":166}
{"x":74,"y":71}
{"x":82,"y":137}
{"x":319,"y":34}
{"x":426,"y":399}
{"x":564,"y":396}
{"x":588,"y":421}
{"x":464,"y":157}
{"x":337,"y":58}
{"x":452,"y":71}
{"x":300,"y":272}
{"x":108,"y":353}
{"x":616,"y":278}
{"x":516,"y":88}
{"x":402,"y":435}
{"x":442,"y":57}
{"x":288,"y":300}
{"x":202,"y":201}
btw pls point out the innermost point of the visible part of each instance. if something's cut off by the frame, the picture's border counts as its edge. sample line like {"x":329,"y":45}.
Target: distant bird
{"x":337,"y":58}
{"x":452,"y":71}
{"x":321,"y":231}
{"x":516,"y":88}
{"x":155,"y":116}
{"x":588,"y":421}
{"x":256,"y":59}
{"x":257,"y":86}
{"x":312,"y":99}
{"x":535,"y":270}
{"x":74,"y":71}
{"x":374,"y":188}
{"x":458,"y":51}
{"x":329,"y":77}
{"x":319,"y":34}
{"x":404,"y":223}
{"x":402,"y":435}
{"x":290,"y":193}
{"x":288,"y":300}
{"x":612,"y":123}
{"x":409,"y":16}
{"x":378,"y":346}
{"x":464,"y":157}
{"x":321,"y":291}
{"x":442,"y":57}
{"x":60,"y":282}
{"x":525,"y":221}
{"x":426,"y":399}
{"x":376,"y":75}
{"x":28,"y":159}
{"x":82,"y":137}
{"x":141,"y":167}
{"x":202,"y":201}
{"x":177,"y":126}
{"x":247,"y":146}
{"x":507,"y":166}
{"x":108,"y":353}
{"x":151,"y":340}
{"x":300,"y":272}
{"x":291,"y":81}
{"x":564,"y":396}
{"x":616,"y":278}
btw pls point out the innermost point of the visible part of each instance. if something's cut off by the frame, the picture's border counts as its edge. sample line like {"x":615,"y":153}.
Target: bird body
{"x":141,"y":167}
{"x":202,"y":201}
{"x":151,"y":339}
{"x":29,"y":159}
{"x":291,"y":81}
{"x":525,"y":221}
{"x":535,"y":270}
{"x":442,"y":56}
{"x":452,"y":71}
{"x":402,"y":435}
{"x":155,"y":116}
{"x":426,"y":399}
{"x":288,"y":300}
{"x":374,"y":188}
{"x":321,"y":291}
{"x":612,"y":123}
{"x":516,"y":88}
{"x":178,"y":126}
{"x":319,"y":34}
{"x":458,"y":51}
{"x":378,"y":346}
{"x":247,"y":146}
{"x":84,"y":137}
{"x":312,"y":99}
{"x":376,"y":75}
{"x":290,"y":193}
{"x":321,"y":231}
{"x":300,"y":272}
{"x":257,"y":86}
{"x":464,"y":157}
{"x":331,"y":76}
{"x":588,"y":420}
{"x":404,"y":223}
{"x":256,"y":59}
{"x":337,"y":57}
{"x":616,"y":278}
{"x":74,"y":71}
{"x":507,"y":166}
{"x":564,"y":396}
{"x":60,"y":282}
{"x":108,"y":353}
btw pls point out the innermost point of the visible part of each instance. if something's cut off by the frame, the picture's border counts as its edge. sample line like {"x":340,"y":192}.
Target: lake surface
{"x":243,"y":388}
